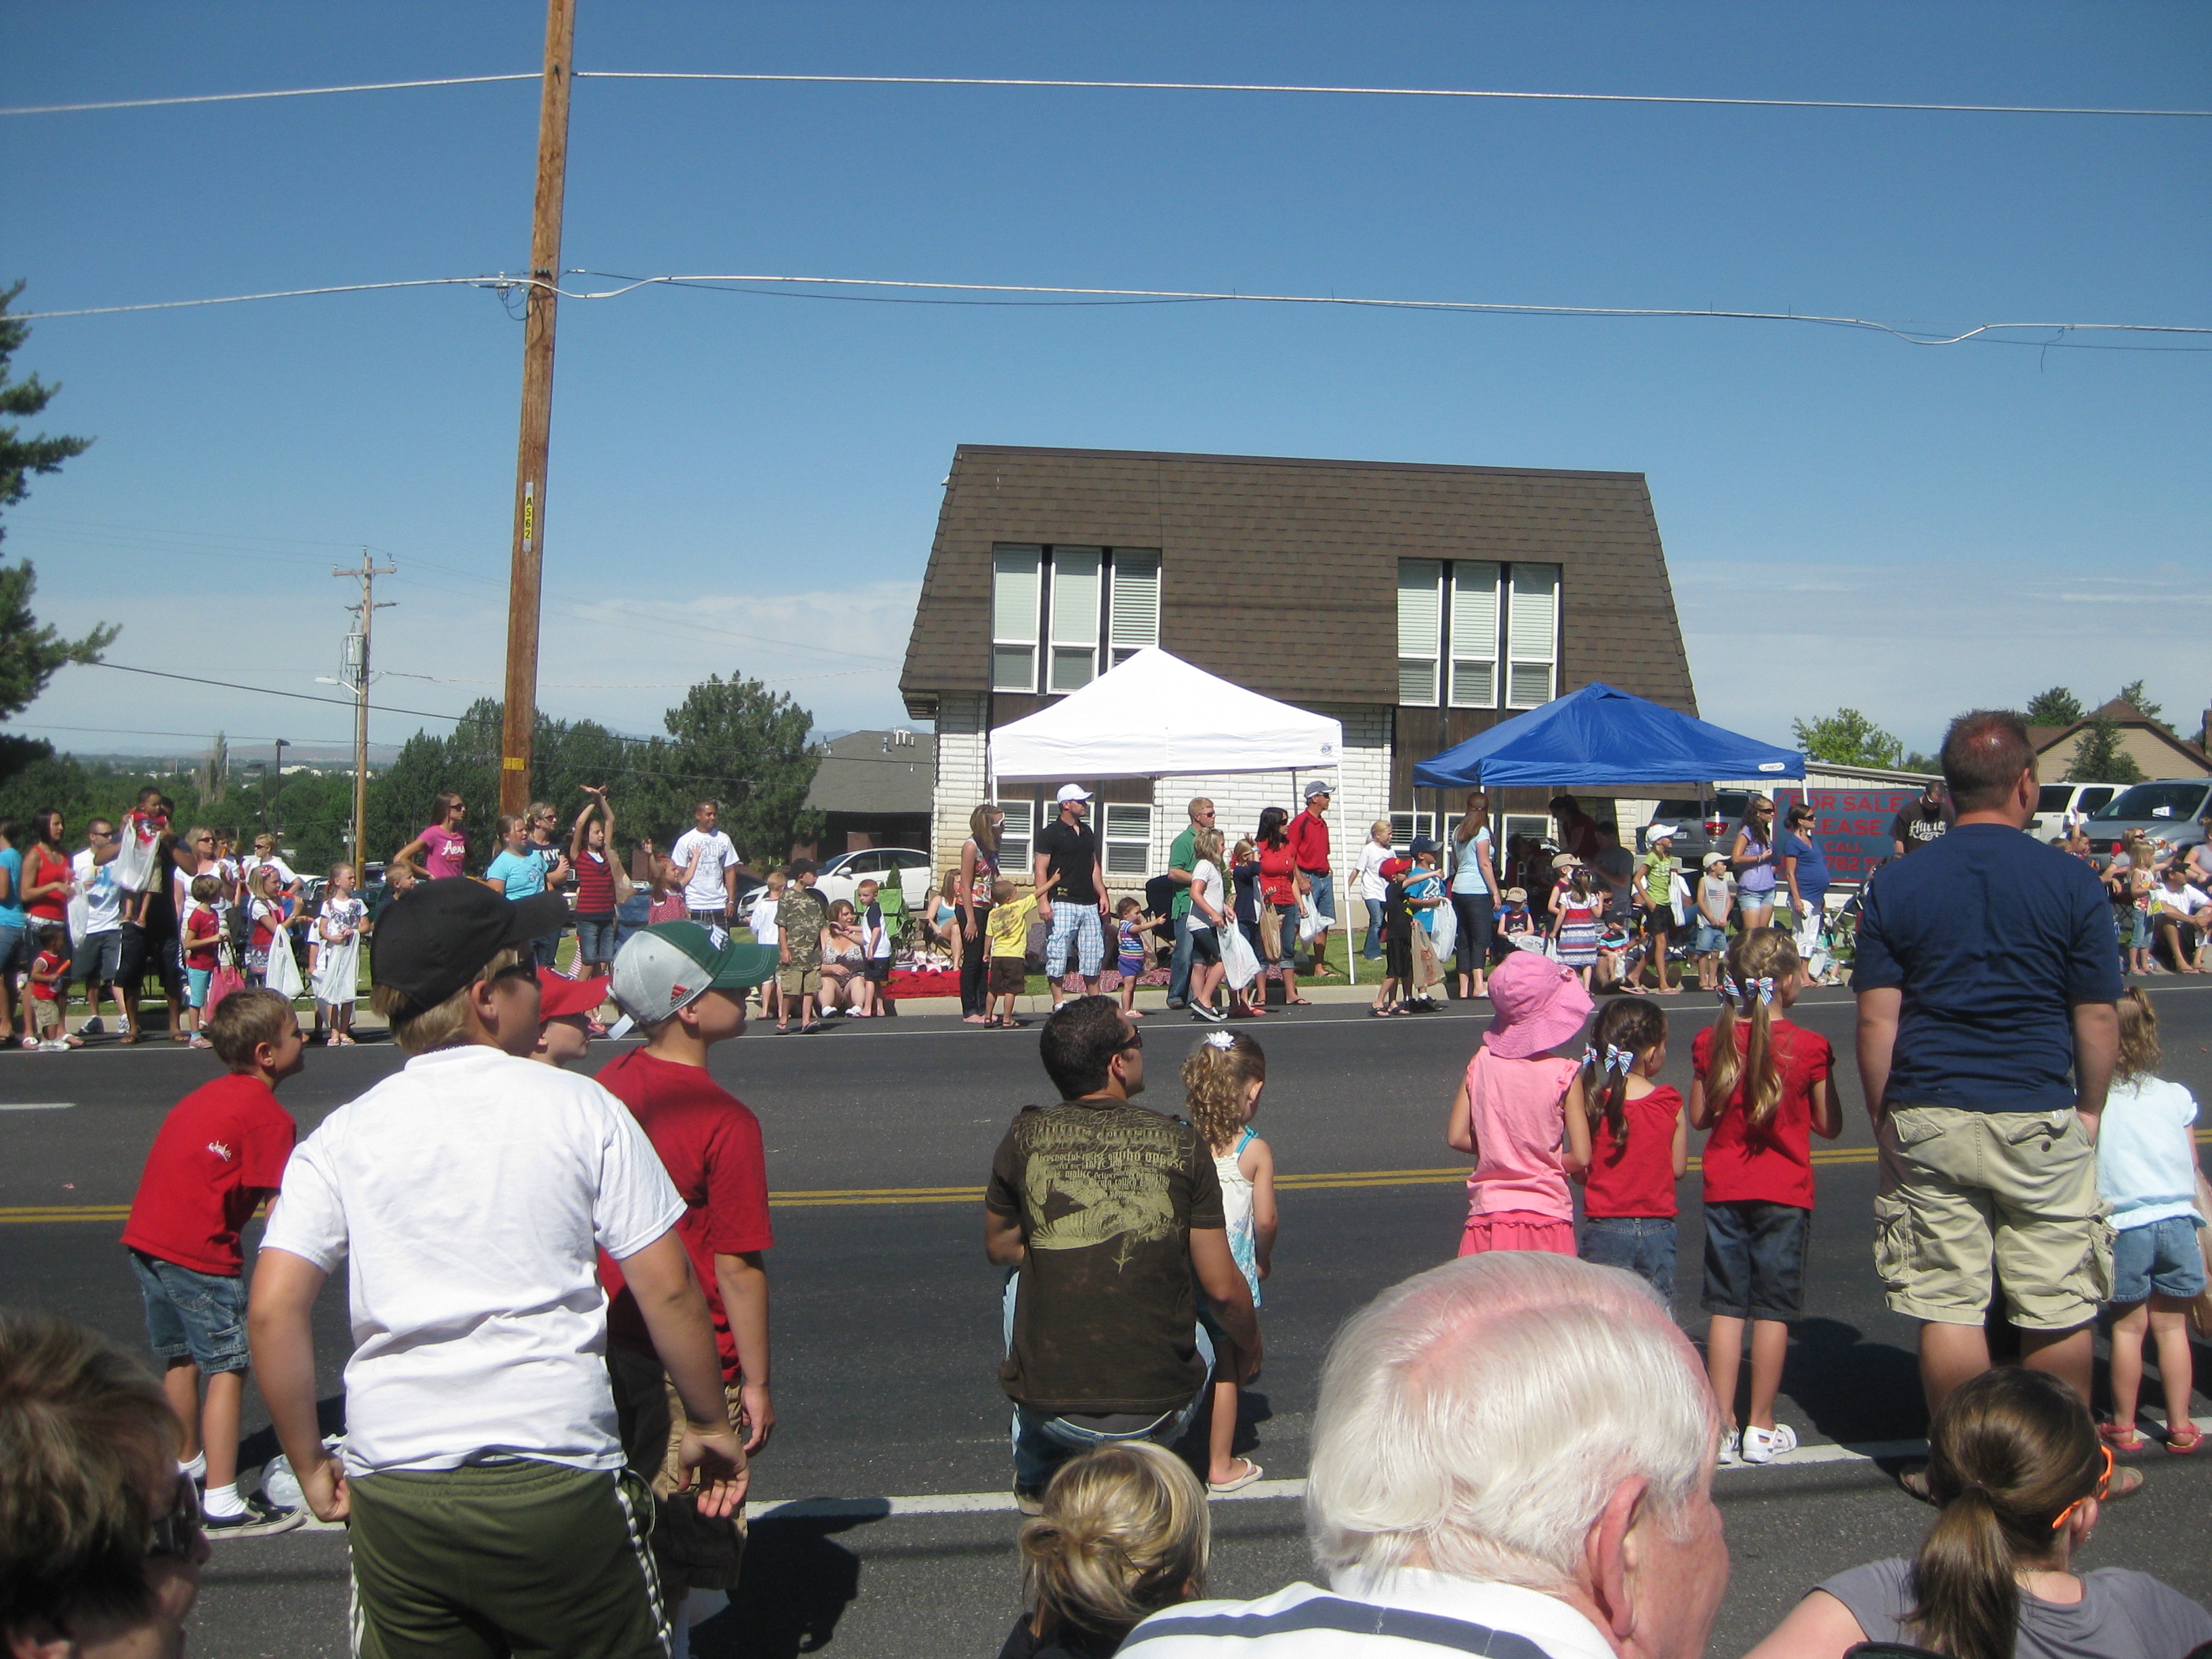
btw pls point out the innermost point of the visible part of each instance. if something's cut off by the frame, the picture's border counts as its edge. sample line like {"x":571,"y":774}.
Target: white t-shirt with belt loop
{"x":467,"y":1196}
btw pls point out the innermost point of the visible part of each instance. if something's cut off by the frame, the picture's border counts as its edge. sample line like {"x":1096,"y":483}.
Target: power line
{"x":1020,"y":82}
{"x":1483,"y":307}
{"x":245,"y":97}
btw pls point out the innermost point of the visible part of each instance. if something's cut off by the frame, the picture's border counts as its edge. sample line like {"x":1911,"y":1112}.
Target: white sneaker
{"x":1764,"y":1445}
{"x":1729,"y":1445}
{"x":53,"y":1046}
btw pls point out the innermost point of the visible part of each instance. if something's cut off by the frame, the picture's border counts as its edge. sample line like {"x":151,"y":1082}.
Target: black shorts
{"x":1010,"y":976}
{"x":876,"y":969}
{"x":1755,"y":1258}
{"x":1204,"y":946}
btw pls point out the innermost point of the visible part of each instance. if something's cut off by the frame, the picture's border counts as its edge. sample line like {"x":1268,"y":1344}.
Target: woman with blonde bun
{"x":1124,"y":1534}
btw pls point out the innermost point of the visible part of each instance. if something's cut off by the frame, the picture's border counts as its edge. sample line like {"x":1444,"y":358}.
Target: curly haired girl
{"x":1222,"y":1081}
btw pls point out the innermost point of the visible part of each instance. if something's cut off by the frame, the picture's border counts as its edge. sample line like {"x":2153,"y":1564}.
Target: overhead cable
{"x":766,"y":281}
{"x":1056,"y":82}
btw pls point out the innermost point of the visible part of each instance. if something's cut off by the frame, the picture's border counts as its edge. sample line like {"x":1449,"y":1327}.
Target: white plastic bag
{"x":1678,"y":895}
{"x":80,"y":914}
{"x":135,"y":859}
{"x":1446,"y":935}
{"x":1311,"y":923}
{"x":282,"y":975}
{"x":1240,"y":964}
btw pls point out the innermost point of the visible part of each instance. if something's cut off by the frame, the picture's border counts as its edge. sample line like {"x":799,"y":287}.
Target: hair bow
{"x":1618,"y":1058}
{"x":1727,"y":990}
{"x":1765,"y":988}
{"x":1223,"y":1040}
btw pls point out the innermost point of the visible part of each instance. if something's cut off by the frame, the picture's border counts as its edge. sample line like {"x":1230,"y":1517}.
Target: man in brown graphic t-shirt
{"x":1106,"y":1211}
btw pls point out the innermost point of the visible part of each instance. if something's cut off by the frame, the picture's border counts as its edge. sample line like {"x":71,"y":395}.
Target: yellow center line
{"x":816,"y":1197}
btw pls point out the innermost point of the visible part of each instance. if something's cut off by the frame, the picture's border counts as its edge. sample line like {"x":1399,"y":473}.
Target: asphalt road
{"x":885,"y":1317}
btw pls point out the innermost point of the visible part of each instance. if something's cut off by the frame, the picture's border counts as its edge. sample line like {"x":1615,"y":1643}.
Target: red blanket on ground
{"x":939,"y":982}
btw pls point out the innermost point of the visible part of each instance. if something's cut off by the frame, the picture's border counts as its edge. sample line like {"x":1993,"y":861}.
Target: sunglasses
{"x":1136,"y":1040}
{"x":2104,"y":1486}
{"x":177,"y":1534}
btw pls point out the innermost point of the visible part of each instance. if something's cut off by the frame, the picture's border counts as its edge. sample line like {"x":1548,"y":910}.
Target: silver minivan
{"x":2171,"y":811}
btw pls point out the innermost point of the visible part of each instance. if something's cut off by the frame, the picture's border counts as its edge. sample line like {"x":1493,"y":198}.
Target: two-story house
{"x":1417,"y":604}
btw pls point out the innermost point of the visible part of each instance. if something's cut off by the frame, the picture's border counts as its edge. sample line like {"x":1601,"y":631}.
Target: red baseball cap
{"x":559,"y":996}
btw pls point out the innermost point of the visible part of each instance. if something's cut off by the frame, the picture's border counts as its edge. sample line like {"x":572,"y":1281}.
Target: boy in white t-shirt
{"x":468,"y":1195}
{"x":704,"y":856}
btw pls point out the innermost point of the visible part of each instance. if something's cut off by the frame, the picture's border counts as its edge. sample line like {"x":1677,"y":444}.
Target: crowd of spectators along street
{"x":559,"y":1299}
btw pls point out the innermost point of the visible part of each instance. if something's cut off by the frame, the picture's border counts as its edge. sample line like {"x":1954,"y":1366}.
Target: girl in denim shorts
{"x":1764,"y":1087}
{"x":2146,"y":1171}
{"x":1639,"y":1146}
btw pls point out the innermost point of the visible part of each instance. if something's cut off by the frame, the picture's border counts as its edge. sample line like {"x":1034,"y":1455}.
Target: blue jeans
{"x":1643,"y":1245}
{"x":192,"y":1315}
{"x":1042,"y":1443}
{"x":1179,"y":968}
{"x":595,"y":939}
{"x":1373,"y":948}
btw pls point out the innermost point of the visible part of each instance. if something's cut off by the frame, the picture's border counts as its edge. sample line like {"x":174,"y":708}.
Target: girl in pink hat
{"x":1519,"y":1112}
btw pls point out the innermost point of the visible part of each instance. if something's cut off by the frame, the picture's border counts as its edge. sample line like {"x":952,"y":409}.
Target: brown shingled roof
{"x":1281,"y":574}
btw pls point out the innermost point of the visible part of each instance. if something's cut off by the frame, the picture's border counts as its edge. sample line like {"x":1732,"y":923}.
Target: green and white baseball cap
{"x":672,"y":964}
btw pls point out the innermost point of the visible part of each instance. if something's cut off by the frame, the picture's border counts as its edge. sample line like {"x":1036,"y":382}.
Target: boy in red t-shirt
{"x":1764,"y":1088}
{"x":49,"y":980}
{"x":220,"y":1152}
{"x":689,"y":994}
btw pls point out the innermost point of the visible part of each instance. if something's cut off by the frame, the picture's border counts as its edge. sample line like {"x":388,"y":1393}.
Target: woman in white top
{"x":1474,"y":894}
{"x":1373,"y":889}
{"x":1209,"y":913}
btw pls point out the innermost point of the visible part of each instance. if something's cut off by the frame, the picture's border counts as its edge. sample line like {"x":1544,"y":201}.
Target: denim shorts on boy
{"x":877,"y":970}
{"x":1079,"y":922}
{"x":1755,"y":1258}
{"x":192,"y":1315}
{"x":1711,"y":940}
{"x":1642,"y":1244}
{"x":2163,"y":1256}
{"x":1960,"y":1187}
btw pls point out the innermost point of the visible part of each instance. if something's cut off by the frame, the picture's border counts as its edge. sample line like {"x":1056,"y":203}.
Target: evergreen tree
{"x":2057,"y":707}
{"x":30,"y":655}
{"x":2132,"y":694}
{"x":2098,"y":756}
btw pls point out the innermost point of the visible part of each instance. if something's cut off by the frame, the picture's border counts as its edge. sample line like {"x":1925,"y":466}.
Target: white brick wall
{"x":960,"y":763}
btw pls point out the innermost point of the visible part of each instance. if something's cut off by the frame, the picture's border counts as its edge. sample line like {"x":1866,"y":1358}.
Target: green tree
{"x":30,"y":655}
{"x":2057,"y":707}
{"x":2098,"y":756}
{"x":743,"y":746}
{"x":1847,"y":737}
{"x":2133,"y":694}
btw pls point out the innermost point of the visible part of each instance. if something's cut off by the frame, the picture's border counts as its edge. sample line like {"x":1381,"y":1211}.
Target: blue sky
{"x":754,"y":481}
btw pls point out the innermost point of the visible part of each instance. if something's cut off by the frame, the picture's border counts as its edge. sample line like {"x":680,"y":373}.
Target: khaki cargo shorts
{"x":1958,"y":1187}
{"x":800,"y":982}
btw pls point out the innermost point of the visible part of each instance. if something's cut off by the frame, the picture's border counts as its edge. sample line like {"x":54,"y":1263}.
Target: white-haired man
{"x":1512,"y":1456}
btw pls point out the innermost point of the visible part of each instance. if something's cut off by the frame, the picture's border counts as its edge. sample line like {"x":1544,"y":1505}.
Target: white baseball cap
{"x":1069,"y":791}
{"x":1660,"y":832}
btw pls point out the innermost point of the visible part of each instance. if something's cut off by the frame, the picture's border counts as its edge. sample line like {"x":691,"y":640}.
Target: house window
{"x":1535,"y":827}
{"x":1421,"y":630}
{"x":1127,"y":842}
{"x":1133,"y":602}
{"x":1014,"y":593}
{"x":1406,"y":828}
{"x":1474,"y":588}
{"x":1075,"y":573}
{"x":1015,"y":838}
{"x":1532,"y":631}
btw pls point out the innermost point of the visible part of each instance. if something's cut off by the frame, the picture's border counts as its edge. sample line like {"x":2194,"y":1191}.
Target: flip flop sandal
{"x":2181,"y":1445}
{"x":1252,"y":1473}
{"x":814,"y":1026}
{"x":783,"y":1028}
{"x":2121,"y":1438}
{"x":1299,"y":1002}
{"x":2126,"y":1483}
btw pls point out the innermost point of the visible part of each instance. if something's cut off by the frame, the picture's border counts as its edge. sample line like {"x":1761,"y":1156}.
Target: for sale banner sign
{"x":1851,"y":826}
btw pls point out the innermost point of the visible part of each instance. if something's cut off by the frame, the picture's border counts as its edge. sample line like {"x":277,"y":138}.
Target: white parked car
{"x":843,"y":873}
{"x":2059,"y":804}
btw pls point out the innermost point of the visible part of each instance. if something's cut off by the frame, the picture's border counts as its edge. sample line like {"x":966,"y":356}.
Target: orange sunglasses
{"x":2104,"y":1486}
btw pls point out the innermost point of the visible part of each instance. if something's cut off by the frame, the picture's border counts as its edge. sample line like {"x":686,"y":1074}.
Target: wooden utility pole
{"x":354,"y":675}
{"x":520,"y":720}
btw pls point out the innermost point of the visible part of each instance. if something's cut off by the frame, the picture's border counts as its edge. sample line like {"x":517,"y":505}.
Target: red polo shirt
{"x":1309,"y":834}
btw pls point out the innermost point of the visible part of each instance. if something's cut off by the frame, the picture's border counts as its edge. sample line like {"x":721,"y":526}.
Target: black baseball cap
{"x":430,"y":942}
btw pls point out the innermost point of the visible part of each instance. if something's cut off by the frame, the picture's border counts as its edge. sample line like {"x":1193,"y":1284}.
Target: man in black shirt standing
{"x":1071,"y":893}
{"x":1111,"y":1214}
{"x":1926,"y":819}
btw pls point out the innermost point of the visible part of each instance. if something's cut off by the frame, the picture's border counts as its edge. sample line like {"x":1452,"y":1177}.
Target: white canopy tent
{"x":1157,"y":716}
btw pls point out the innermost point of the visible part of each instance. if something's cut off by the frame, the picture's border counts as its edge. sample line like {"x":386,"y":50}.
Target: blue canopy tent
{"x":1600,"y":736}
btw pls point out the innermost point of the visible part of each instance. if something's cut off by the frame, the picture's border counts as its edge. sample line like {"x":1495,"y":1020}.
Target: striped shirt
{"x":1394,"y":1613}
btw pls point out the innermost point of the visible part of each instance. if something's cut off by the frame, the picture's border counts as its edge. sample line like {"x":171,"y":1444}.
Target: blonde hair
{"x":1215,"y":1079}
{"x":2139,"y":1052}
{"x":1207,"y":844}
{"x":1761,"y":955}
{"x":1380,"y":827}
{"x":1124,"y":1534}
{"x":416,"y":1031}
{"x":979,"y":827}
{"x":1244,"y":850}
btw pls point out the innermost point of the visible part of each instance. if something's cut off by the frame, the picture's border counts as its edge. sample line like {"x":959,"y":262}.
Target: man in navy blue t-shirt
{"x":1987,"y":977}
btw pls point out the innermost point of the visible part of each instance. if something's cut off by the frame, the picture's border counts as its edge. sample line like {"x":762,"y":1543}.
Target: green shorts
{"x":524,"y":1557}
{"x":1961,"y":1188}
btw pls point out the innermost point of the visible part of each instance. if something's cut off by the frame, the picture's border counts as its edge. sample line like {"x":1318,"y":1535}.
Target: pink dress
{"x":1517,"y":1195}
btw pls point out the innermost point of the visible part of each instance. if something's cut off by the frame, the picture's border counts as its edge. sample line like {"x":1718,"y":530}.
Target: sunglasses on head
{"x":177,"y":1534}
